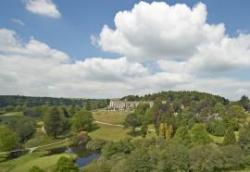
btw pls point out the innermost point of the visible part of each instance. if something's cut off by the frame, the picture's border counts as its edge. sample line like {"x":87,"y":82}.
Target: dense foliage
{"x":33,"y":105}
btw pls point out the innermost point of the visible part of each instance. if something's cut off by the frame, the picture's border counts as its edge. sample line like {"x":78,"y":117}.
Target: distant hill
{"x":27,"y":101}
{"x":180,"y":96}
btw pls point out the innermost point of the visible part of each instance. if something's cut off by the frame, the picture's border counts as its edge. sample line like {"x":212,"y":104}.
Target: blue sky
{"x":112,"y":48}
{"x":80,"y":19}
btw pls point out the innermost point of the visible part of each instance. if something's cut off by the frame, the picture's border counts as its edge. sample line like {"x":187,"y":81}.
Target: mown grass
{"x":24,"y":163}
{"x":113,"y":117}
{"x":13,"y":114}
{"x":110,"y":133}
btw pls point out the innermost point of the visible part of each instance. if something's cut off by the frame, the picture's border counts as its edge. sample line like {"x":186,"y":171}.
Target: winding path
{"x":32,"y":149}
{"x":105,"y":123}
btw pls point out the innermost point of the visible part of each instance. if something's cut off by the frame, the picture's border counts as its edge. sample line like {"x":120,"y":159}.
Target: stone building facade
{"x":117,"y":104}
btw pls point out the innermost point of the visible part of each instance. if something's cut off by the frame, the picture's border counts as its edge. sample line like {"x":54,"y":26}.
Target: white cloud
{"x":176,"y":36}
{"x":18,"y":21}
{"x":160,"y":31}
{"x":34,"y":68}
{"x":43,"y":7}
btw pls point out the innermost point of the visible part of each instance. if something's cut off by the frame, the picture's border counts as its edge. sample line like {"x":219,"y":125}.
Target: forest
{"x":182,"y":131}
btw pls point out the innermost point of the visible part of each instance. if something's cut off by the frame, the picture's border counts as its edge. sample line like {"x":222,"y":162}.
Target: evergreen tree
{"x":229,"y":137}
{"x":88,"y":105}
{"x":53,"y":122}
{"x":199,"y":135}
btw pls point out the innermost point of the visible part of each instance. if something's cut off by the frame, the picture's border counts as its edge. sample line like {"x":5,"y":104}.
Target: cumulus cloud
{"x":178,"y":37}
{"x":43,"y":7}
{"x":158,"y":31}
{"x":34,"y":68}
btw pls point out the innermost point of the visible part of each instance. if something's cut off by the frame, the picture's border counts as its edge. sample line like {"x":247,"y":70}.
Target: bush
{"x":65,"y":164}
{"x":95,"y":144}
{"x":216,"y":128}
{"x":36,"y":169}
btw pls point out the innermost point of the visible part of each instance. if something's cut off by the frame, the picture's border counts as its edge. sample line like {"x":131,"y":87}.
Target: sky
{"x":106,"y":49}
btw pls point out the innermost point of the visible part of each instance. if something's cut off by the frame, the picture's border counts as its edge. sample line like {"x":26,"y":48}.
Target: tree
{"x":216,"y":128}
{"x":65,"y":112}
{"x":36,"y":169}
{"x":199,"y":135}
{"x":144,"y":130}
{"x":65,"y":164}
{"x":236,"y":112}
{"x":132,"y":121}
{"x":8,"y":139}
{"x":205,"y":158}
{"x":232,"y":157}
{"x":88,"y":105}
{"x":182,"y":136}
{"x":112,"y":148}
{"x":174,"y":157}
{"x":139,"y":160}
{"x":24,"y":127}
{"x":53,"y":122}
{"x":229,"y":137}
{"x":80,"y":139}
{"x":244,"y":138}
{"x":166,"y":130}
{"x":245,"y":102}
{"x":82,"y":121}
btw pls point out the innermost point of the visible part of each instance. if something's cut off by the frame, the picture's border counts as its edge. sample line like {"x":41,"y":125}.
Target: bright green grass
{"x":13,"y":114}
{"x":111,"y":133}
{"x":113,"y":117}
{"x":219,"y":140}
{"x":24,"y":163}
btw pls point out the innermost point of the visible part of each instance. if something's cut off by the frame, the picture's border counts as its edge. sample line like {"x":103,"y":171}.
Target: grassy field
{"x":13,"y":114}
{"x":106,"y":132}
{"x":24,"y":163}
{"x":113,"y":117}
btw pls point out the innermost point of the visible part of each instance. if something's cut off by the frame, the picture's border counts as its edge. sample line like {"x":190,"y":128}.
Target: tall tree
{"x":8,"y":139}
{"x":245,"y":102}
{"x":82,"y":121}
{"x":53,"y":122}
{"x":244,"y":138}
{"x":132,"y":121}
{"x":229,"y":137}
{"x":199,"y":135}
{"x":88,"y":105}
{"x":182,"y":135}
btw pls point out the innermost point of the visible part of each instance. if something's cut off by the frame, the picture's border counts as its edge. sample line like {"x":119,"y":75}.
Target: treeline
{"x":207,"y":134}
{"x":185,"y":97}
{"x":22,"y":103}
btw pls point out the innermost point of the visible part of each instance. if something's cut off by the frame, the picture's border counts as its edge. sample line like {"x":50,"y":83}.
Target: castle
{"x":117,"y":104}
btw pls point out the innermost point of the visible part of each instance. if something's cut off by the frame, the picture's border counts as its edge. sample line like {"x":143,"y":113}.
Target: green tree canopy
{"x":53,"y":122}
{"x":65,"y":164}
{"x":182,"y":135}
{"x":8,"y":139}
{"x":82,"y":121}
{"x":229,"y":137}
{"x":199,"y":135}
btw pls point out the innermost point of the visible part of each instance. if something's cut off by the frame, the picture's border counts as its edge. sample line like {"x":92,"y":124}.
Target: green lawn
{"x":113,"y":117}
{"x":24,"y":163}
{"x":111,"y":133}
{"x":13,"y":114}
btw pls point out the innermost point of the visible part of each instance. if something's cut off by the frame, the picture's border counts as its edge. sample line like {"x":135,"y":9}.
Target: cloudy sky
{"x":100,"y":48}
